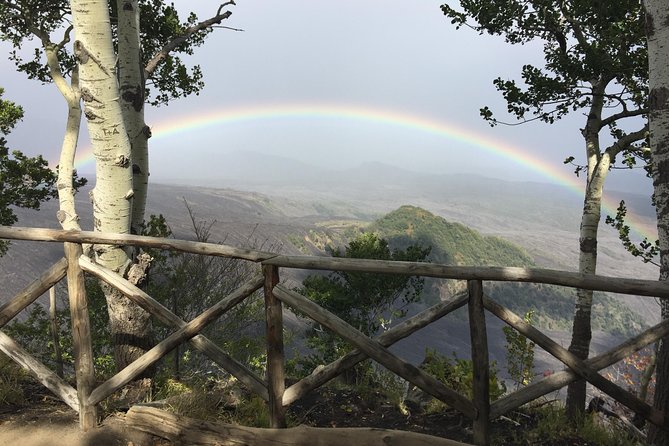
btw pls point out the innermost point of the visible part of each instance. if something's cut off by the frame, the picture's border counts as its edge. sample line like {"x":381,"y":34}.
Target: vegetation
{"x":452,"y":243}
{"x":519,"y":354}
{"x":456,"y":244}
{"x":369,"y":302}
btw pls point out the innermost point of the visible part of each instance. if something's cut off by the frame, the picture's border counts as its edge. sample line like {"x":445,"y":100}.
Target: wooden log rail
{"x":272,"y":389}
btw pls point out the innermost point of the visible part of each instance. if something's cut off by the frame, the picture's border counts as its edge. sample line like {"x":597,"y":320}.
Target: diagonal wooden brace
{"x":377,"y":352}
{"x":578,"y":366}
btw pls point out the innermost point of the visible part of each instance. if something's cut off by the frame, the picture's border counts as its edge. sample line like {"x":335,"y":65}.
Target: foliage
{"x":11,"y":378}
{"x":629,"y":372}
{"x":458,"y":374}
{"x":553,"y":427}
{"x":34,"y":332}
{"x":595,"y":63}
{"x":520,"y":354}
{"x":188,"y":284}
{"x":456,"y":244}
{"x":645,"y":250}
{"x":160,"y":24}
{"x":584,"y":42}
{"x":368,"y":302}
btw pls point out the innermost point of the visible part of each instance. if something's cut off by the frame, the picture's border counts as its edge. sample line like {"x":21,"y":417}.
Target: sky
{"x":337,"y":84}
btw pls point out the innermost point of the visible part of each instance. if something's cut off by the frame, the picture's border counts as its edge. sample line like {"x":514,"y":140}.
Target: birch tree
{"x":594,"y":62}
{"x":657,"y":31}
{"x":124,"y":53}
{"x":25,"y":181}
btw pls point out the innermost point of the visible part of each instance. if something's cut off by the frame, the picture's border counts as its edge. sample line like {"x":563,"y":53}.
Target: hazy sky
{"x":337,"y":83}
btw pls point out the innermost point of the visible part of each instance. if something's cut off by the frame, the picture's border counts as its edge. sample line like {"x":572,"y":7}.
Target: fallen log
{"x":183,"y":430}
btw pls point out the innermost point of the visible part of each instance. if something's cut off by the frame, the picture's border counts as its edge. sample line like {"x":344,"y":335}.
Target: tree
{"x":25,"y":181}
{"x":145,"y":38}
{"x":657,"y":31}
{"x":594,"y":62}
{"x":366,"y":301}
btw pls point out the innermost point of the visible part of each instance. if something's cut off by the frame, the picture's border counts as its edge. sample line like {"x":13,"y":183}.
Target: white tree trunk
{"x":132,"y":84}
{"x":113,"y":192}
{"x":67,"y":213}
{"x":597,"y":169}
{"x":657,"y":30}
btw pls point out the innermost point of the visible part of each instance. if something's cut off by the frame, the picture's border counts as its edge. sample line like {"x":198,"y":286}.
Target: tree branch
{"x":174,"y":43}
{"x":627,"y":140}
{"x":623,"y":114}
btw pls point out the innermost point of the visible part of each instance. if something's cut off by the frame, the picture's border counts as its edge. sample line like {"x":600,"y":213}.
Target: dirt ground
{"x":46,"y":421}
{"x":57,"y":425}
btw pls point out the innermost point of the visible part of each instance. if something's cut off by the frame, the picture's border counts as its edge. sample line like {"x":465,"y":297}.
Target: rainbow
{"x":230,"y":116}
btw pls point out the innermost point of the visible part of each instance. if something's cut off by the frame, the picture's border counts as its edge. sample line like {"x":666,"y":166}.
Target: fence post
{"x":81,"y":336}
{"x":481,"y":382}
{"x":275,"y":361}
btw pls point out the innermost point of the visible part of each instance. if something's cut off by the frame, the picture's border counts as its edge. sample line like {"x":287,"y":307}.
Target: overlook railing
{"x":272,"y":388}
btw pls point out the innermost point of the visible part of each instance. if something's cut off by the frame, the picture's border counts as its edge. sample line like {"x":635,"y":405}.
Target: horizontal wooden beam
{"x":376,"y":351}
{"x":200,"y":342}
{"x":183,"y":430}
{"x":498,"y":274}
{"x":100,"y":238}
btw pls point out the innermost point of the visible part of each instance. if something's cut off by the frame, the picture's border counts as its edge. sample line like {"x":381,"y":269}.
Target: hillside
{"x":452,"y":243}
{"x":456,"y":244}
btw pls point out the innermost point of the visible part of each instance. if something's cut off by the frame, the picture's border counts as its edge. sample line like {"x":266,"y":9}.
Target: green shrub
{"x":458,"y":374}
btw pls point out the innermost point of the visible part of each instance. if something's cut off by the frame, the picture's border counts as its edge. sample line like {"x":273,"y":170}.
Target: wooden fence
{"x":272,"y":389}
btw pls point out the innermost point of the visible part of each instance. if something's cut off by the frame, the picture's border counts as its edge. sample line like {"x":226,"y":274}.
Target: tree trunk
{"x":657,"y":30}
{"x":597,"y":169}
{"x":132,"y":87}
{"x":113,"y":192}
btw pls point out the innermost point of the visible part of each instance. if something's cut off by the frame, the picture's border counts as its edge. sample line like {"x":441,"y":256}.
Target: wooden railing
{"x":272,"y":389}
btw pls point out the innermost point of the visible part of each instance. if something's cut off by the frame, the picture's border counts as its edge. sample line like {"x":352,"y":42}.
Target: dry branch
{"x":183,"y":430}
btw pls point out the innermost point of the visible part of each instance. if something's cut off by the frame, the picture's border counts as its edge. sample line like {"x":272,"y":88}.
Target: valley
{"x":505,"y":223}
